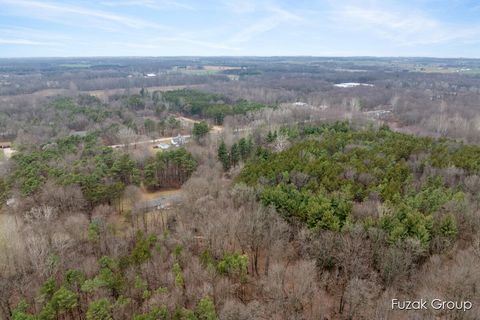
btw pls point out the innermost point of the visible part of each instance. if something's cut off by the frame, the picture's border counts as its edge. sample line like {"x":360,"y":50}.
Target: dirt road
{"x":153,"y":141}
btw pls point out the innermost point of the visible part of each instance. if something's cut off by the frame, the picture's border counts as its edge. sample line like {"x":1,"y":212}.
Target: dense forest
{"x":264,"y":189}
{"x":335,"y":177}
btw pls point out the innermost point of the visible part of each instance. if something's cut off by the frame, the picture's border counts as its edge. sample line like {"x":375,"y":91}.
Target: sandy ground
{"x":8,"y":152}
{"x":159,"y":194}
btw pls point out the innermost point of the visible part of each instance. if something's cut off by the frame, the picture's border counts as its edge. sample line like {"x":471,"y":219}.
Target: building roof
{"x":178,"y":140}
{"x":163,"y":146}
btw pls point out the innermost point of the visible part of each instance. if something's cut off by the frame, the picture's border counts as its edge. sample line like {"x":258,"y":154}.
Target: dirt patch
{"x":160,"y":194}
{"x":215,"y":129}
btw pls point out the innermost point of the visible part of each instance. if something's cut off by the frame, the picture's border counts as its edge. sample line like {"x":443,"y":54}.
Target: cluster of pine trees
{"x":332,"y":169}
{"x":230,"y":157}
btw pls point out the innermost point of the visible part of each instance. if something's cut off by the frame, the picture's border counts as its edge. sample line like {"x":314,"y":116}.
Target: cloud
{"x":166,"y":46}
{"x":394,"y":21}
{"x":206,"y":44}
{"x":151,"y":4}
{"x":259,"y":27}
{"x":241,"y":7}
{"x":47,"y":9}
{"x":404,"y":27}
{"x":26,"y":42}
{"x":274,"y":16}
{"x":38,"y":34}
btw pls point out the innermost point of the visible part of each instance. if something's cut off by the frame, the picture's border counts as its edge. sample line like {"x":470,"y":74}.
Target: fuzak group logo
{"x":435,"y":304}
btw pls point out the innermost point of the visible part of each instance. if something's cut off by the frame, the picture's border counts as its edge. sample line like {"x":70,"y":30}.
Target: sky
{"x":54,"y":28}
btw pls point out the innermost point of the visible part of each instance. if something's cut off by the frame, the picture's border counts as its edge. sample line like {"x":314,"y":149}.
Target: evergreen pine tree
{"x":223,"y":156}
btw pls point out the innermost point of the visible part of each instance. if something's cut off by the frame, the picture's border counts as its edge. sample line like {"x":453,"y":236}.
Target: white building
{"x":179,"y":140}
{"x":163,"y":146}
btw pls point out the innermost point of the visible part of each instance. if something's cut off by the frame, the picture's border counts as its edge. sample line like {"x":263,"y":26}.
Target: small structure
{"x":179,"y":140}
{"x":157,"y":204}
{"x":299,"y":104}
{"x":163,"y":146}
{"x":150,"y":75}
